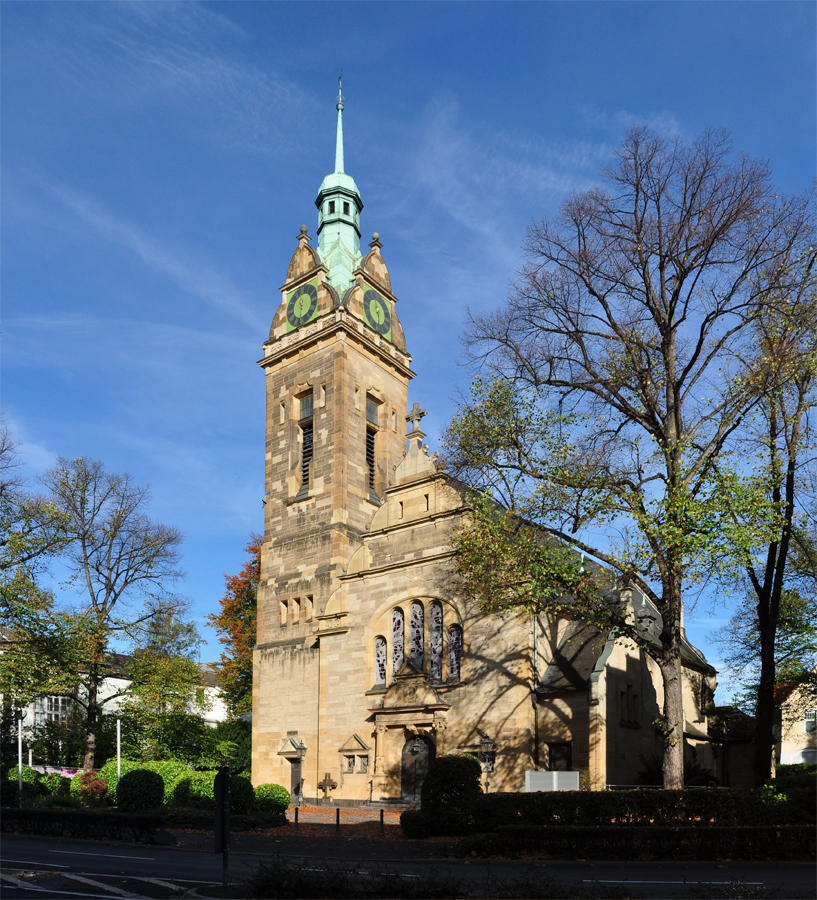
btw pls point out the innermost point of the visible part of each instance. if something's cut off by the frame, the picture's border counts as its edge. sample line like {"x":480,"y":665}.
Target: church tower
{"x":337,"y":375}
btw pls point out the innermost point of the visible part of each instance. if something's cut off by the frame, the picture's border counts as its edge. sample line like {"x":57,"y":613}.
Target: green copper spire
{"x":339,"y":207}
{"x":339,"y":141}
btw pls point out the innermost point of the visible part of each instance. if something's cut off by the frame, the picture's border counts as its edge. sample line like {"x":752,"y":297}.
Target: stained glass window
{"x":416,"y":640}
{"x":397,"y":640}
{"x":379,"y":660}
{"x":435,"y":641}
{"x":454,"y":652}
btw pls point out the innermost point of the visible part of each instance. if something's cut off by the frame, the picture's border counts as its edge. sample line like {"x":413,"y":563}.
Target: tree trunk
{"x":673,"y":718}
{"x":92,"y":719}
{"x":765,"y":708}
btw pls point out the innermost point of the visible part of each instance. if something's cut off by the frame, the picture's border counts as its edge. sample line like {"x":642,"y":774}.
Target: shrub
{"x":200,"y":789}
{"x":56,"y":785}
{"x":108,"y":774}
{"x":798,"y":775}
{"x":89,"y":788}
{"x":82,"y":824}
{"x":31,"y":777}
{"x":242,"y":797}
{"x":417,"y":824}
{"x":271,"y":798}
{"x":452,"y":785}
{"x":172,"y":773}
{"x":140,"y":789}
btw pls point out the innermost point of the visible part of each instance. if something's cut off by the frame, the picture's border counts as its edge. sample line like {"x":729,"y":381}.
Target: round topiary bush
{"x":31,"y":777}
{"x":89,"y":788}
{"x":200,"y":789}
{"x":271,"y":798}
{"x":242,"y":797}
{"x":140,"y":789}
{"x":452,"y":785}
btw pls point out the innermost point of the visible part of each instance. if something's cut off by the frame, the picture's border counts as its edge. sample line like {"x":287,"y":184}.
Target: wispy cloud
{"x":183,"y":56}
{"x":199,"y":280}
{"x":615,"y":122}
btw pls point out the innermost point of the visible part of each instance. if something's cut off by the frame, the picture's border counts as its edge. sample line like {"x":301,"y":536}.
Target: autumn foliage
{"x":236,"y":625}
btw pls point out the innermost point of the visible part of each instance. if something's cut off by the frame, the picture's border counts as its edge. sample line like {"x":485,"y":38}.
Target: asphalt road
{"x":36,"y":867}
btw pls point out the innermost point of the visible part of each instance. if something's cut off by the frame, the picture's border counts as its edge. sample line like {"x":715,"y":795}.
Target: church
{"x":367,"y":663}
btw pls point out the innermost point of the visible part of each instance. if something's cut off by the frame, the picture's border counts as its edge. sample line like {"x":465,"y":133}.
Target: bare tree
{"x":631,"y":326}
{"x":121,"y":561}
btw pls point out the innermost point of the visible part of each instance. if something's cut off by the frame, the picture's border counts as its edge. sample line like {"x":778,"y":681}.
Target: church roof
{"x":573,"y":659}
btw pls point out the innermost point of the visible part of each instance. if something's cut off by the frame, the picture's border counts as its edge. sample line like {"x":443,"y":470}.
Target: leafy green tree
{"x":617,"y":374}
{"x":236,"y":626}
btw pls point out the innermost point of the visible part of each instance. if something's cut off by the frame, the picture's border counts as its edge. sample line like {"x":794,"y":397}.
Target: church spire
{"x":339,"y":207}
{"x":339,"y":141}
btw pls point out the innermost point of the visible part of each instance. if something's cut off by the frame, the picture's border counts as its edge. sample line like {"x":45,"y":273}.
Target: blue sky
{"x":159,"y":158}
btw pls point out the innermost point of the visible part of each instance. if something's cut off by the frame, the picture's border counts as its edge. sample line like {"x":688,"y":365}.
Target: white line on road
{"x":656,"y":881}
{"x":31,"y":862}
{"x":101,"y":885}
{"x":30,"y":887}
{"x":103,"y":855}
{"x":167,"y":884}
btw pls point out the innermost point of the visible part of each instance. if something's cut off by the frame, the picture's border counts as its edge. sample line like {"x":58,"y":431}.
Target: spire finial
{"x":339,"y":143}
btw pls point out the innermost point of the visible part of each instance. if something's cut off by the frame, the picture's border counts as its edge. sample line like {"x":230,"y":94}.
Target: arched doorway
{"x":417,"y":754}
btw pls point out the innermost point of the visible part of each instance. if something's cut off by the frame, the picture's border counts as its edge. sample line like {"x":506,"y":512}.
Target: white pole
{"x":20,"y":760}
{"x":30,"y":757}
{"x":118,"y":750}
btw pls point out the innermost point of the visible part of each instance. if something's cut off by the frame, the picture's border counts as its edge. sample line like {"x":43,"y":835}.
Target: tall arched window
{"x":416,"y":638}
{"x":398,"y":628}
{"x":454,"y":652}
{"x":380,"y":660}
{"x":435,"y":641}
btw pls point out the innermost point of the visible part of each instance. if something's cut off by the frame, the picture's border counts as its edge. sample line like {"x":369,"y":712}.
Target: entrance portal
{"x":295,"y":779}
{"x":417,"y":754}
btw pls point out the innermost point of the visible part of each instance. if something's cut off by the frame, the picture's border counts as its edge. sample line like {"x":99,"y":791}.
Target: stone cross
{"x":327,"y":785}
{"x":415,"y":415}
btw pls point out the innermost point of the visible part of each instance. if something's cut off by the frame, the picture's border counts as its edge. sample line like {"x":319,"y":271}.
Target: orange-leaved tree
{"x":236,"y":627}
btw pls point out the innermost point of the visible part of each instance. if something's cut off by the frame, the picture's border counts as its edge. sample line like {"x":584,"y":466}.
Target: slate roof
{"x":573,"y":660}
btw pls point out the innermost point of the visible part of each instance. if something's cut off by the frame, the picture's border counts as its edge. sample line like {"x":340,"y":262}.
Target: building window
{"x":810,"y":721}
{"x":331,"y":206}
{"x":397,"y":640}
{"x":629,"y":706}
{"x":50,"y":709}
{"x":307,"y":443}
{"x":560,"y":757}
{"x":283,"y":608}
{"x":435,"y":641}
{"x":379,"y":660}
{"x":454,"y":652}
{"x":363,"y":763}
{"x":416,"y":626}
{"x":345,"y":209}
{"x":349,"y":763}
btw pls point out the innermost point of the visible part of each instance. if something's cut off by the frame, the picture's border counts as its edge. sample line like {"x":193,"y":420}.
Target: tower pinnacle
{"x":339,"y":207}
{"x":339,"y":141}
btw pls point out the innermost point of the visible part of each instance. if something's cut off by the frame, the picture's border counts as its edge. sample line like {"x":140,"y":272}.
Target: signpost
{"x":221,"y":792}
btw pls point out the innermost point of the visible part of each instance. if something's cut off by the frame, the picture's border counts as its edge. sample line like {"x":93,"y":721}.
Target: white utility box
{"x":551,"y":781}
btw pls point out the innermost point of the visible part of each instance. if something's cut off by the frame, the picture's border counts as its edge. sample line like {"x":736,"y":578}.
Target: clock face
{"x":377,"y":313}
{"x":302,"y":306}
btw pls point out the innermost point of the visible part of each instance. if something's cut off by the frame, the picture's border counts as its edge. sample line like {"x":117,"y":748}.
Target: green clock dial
{"x":302,"y":305}
{"x":377,"y":312}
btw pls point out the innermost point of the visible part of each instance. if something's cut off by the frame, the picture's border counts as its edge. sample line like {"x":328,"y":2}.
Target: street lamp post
{"x":301,"y":750}
{"x":487,"y":749}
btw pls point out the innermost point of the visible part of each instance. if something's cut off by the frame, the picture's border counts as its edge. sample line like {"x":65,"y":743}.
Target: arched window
{"x":435,"y":641}
{"x":398,"y":629}
{"x":380,"y":660}
{"x":416,"y":639}
{"x":454,"y":652}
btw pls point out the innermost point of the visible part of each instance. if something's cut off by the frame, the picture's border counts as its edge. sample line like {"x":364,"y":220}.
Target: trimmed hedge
{"x":452,"y":785}
{"x":140,"y":789}
{"x":242,"y":796}
{"x":794,"y":842}
{"x":82,"y":824}
{"x":705,"y":807}
{"x":272,"y":798}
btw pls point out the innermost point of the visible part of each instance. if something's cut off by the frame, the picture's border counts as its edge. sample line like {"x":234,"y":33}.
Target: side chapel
{"x":368,"y":664}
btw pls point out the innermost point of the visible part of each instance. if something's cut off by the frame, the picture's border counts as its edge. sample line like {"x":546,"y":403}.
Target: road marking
{"x":31,"y":862}
{"x":102,"y":885}
{"x":30,"y":887}
{"x":655,"y":881}
{"x":103,"y":855}
{"x":167,"y":884}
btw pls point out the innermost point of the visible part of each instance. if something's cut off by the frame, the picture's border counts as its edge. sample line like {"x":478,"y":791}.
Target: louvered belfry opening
{"x":371,"y":435}
{"x":307,"y":444}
